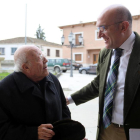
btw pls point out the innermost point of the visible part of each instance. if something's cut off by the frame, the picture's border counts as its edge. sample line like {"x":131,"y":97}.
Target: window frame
{"x":81,"y":56}
{"x":12,"y":53}
{"x":2,"y":53}
{"x":74,"y":36}
{"x":57,"y":53}
{"x":48,"y":50}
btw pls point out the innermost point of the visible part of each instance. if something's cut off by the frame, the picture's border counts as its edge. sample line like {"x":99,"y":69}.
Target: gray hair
{"x":19,"y":62}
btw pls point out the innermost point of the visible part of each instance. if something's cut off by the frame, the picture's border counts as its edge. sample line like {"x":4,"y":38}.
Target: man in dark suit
{"x":119,"y":101}
{"x":31,"y":98}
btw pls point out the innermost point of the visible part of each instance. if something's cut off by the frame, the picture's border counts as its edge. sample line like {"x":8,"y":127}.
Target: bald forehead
{"x":111,"y":14}
{"x":113,"y":8}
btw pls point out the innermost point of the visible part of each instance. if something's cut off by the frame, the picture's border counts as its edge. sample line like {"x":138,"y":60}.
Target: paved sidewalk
{"x":84,"y":113}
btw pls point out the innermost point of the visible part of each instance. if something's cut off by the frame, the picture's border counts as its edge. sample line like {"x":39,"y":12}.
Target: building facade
{"x":87,"y":53}
{"x":9,"y":46}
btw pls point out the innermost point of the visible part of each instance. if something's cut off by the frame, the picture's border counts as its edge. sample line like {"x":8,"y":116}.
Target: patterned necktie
{"x":109,"y":92}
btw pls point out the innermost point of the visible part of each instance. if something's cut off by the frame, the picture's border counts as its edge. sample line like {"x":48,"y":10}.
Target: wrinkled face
{"x":109,"y":30}
{"x":37,"y":65}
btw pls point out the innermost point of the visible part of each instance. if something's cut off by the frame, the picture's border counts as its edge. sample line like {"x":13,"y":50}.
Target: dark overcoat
{"x":131,"y":89}
{"x":23,"y":107}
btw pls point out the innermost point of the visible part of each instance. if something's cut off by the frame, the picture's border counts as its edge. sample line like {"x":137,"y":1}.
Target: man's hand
{"x":67,"y":101}
{"x":45,"y":132}
{"x":85,"y":139}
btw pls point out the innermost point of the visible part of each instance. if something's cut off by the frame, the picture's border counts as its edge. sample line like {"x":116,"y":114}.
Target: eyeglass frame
{"x":42,"y":57}
{"x":104,"y":27}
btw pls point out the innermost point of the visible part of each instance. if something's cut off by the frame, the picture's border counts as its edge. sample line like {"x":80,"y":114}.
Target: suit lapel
{"x":132,"y":80}
{"x":104,"y":66}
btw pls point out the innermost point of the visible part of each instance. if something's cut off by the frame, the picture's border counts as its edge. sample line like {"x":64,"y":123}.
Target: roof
{"x":81,"y":24}
{"x":30,"y":40}
{"x":135,"y":17}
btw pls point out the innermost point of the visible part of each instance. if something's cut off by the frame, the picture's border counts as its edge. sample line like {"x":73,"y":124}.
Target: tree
{"x":40,"y":33}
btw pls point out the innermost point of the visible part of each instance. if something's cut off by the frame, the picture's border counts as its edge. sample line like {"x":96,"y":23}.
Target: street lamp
{"x":62,"y":39}
{"x":72,"y":42}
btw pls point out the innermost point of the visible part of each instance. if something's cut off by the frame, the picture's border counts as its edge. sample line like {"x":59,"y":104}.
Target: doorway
{"x":95,"y":58}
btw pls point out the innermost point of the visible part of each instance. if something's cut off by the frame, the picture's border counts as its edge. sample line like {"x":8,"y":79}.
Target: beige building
{"x":88,"y":51}
{"x":9,"y":46}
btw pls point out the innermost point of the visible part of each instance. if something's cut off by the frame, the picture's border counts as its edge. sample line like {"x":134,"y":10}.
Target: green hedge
{"x":3,"y":75}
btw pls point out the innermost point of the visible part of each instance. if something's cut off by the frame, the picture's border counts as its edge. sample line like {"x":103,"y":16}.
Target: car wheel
{"x":84,"y":72}
{"x":74,"y":68}
{"x":64,"y":70}
{"x":57,"y":69}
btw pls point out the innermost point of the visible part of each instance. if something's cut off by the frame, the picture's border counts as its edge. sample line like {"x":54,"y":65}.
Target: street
{"x":84,"y":113}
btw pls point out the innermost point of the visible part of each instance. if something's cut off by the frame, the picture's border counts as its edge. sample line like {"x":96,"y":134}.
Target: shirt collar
{"x":128,"y":43}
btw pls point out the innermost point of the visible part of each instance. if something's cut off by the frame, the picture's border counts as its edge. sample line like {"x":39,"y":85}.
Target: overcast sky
{"x":51,"y":14}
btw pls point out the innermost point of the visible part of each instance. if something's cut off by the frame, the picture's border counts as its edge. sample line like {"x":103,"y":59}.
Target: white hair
{"x":20,"y":61}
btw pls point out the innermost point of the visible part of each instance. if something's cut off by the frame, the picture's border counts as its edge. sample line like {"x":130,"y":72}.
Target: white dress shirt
{"x":118,"y":102}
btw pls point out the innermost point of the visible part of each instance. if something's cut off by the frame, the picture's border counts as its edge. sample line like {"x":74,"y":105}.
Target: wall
{"x":90,"y":44}
{"x":8,"y":47}
{"x":52,"y":51}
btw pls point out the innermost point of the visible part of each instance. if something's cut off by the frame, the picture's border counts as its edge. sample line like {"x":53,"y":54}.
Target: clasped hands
{"x":45,"y":132}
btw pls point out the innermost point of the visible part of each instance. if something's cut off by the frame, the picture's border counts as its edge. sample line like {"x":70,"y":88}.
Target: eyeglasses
{"x":103,"y":28}
{"x":42,"y":57}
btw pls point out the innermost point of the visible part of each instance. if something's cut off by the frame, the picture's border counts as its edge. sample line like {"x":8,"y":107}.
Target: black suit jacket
{"x":23,"y":107}
{"x":131,"y":89}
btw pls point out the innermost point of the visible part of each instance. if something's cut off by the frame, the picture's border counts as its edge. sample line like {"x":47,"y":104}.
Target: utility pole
{"x":25,"y":23}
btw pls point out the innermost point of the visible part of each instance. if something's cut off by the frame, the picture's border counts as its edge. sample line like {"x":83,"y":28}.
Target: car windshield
{"x":66,"y":60}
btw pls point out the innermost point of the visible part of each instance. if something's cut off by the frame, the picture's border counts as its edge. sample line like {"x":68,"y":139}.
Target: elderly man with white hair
{"x":31,"y":98}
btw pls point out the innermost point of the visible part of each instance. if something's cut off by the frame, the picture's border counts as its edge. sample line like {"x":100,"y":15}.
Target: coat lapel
{"x":104,"y":66}
{"x":25,"y":84}
{"x":132,"y":80}
{"x":50,"y":84}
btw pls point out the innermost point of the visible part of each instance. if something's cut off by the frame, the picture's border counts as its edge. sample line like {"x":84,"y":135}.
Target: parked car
{"x":91,"y":69}
{"x":58,"y":64}
{"x":75,"y":64}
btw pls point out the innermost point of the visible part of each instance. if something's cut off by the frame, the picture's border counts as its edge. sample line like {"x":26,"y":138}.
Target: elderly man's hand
{"x":67,"y":101}
{"x":45,"y":132}
{"x":85,"y":139}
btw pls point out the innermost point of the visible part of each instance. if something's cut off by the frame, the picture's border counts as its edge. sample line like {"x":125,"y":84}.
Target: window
{"x":78,"y":57}
{"x":51,"y":60}
{"x":96,"y":36}
{"x":58,"y":60}
{"x":77,"y":39}
{"x":13,"y":50}
{"x":57,"y":53}
{"x":48,"y":52}
{"x":2,"y":51}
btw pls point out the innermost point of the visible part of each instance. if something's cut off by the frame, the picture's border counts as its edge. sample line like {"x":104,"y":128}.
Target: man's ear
{"x":124,"y":26}
{"x":25,"y":68}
